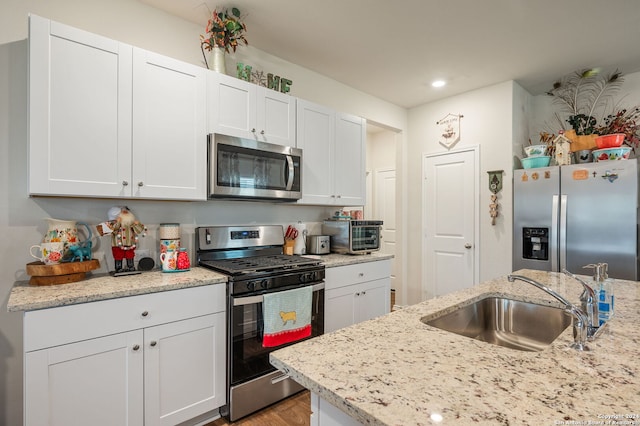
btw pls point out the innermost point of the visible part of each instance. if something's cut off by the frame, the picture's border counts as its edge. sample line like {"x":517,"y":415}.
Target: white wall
{"x":488,"y":123}
{"x":21,"y":217}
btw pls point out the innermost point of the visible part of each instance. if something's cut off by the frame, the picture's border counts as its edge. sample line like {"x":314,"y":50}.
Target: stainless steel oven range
{"x":251,"y":257}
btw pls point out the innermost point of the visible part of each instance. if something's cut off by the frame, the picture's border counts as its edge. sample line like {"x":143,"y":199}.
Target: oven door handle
{"x":250,"y":300}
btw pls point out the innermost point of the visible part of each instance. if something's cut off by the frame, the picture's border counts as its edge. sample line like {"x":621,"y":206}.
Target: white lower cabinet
{"x":356,"y":293}
{"x":167,"y":368}
{"x":324,"y":413}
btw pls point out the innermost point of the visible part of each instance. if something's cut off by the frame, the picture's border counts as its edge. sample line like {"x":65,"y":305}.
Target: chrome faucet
{"x":589,"y":305}
{"x":580,"y":319}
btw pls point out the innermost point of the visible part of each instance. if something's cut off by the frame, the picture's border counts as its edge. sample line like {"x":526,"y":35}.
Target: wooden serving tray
{"x":62,"y":273}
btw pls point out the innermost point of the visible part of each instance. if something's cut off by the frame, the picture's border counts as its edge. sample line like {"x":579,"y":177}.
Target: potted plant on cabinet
{"x":585,"y":95}
{"x":224,"y":32}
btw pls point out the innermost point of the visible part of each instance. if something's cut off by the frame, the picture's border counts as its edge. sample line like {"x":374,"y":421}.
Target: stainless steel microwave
{"x":353,"y":236}
{"x":248,"y":169}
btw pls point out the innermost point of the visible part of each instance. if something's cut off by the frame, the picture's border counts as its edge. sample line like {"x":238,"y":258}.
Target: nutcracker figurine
{"x":124,"y":229}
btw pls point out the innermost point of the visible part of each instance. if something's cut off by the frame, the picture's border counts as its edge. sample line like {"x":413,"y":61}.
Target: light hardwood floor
{"x":293,"y":411}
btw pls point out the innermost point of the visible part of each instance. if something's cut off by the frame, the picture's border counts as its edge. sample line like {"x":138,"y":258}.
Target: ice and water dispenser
{"x":535,"y":243}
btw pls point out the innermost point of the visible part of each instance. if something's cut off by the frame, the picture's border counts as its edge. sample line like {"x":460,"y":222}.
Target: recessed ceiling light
{"x":438,"y":83}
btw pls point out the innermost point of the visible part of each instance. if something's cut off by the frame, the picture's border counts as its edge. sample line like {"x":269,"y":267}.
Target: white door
{"x":449,"y":218}
{"x":385,"y":210}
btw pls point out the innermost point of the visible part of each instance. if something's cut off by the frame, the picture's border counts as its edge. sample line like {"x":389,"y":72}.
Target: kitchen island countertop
{"x":395,"y":370}
{"x":26,"y":297}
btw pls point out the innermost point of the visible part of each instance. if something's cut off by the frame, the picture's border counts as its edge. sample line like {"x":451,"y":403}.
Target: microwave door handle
{"x":289,"y":172}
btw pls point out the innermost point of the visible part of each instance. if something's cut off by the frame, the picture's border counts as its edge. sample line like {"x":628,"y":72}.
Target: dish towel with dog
{"x":287,"y":316}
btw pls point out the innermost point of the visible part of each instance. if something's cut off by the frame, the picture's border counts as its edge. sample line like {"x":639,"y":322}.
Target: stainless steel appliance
{"x":252,"y":258}
{"x":318,"y":244}
{"x":571,"y":216}
{"x":245,"y":168}
{"x":353,"y":236}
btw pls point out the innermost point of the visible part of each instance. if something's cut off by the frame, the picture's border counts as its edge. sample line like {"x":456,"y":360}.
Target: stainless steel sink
{"x":505,"y":322}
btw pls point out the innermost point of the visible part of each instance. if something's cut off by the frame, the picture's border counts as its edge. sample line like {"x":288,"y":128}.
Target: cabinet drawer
{"x":358,"y":273}
{"x":56,"y":326}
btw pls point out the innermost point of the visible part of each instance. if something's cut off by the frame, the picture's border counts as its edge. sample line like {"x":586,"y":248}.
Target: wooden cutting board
{"x":61,"y":273}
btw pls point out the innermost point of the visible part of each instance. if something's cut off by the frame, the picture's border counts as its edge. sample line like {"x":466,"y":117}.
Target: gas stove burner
{"x":248,"y":265}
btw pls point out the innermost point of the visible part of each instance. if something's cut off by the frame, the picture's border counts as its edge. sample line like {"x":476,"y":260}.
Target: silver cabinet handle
{"x":125,"y":183}
{"x":136,"y":347}
{"x":262,"y":132}
{"x":153,"y":343}
{"x":467,"y":246}
{"x":253,"y":130}
{"x":140,"y":183}
{"x":145,"y":313}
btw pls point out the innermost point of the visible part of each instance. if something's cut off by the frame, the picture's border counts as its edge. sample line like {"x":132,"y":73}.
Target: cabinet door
{"x":232,"y":106}
{"x":169,"y":128}
{"x":349,"y":160}
{"x":93,"y":382}
{"x":372,"y":299}
{"x":339,"y":308}
{"x":276,"y":117}
{"x":315,"y":135}
{"x":79,"y":112}
{"x":184,"y":369}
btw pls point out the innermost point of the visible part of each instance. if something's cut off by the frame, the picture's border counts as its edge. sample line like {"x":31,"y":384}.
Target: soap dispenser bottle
{"x":604,"y":291}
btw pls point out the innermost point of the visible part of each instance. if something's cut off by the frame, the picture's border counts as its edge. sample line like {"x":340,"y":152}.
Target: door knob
{"x":467,"y":246}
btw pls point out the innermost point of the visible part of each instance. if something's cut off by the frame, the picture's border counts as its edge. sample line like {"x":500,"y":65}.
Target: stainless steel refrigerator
{"x":571,"y":216}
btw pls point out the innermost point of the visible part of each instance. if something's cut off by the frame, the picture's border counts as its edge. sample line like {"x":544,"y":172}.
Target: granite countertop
{"x":333,"y":260}
{"x":26,"y":297}
{"x":395,"y":370}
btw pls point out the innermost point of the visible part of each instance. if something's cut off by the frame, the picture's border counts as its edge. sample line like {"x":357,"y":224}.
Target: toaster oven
{"x":353,"y":236}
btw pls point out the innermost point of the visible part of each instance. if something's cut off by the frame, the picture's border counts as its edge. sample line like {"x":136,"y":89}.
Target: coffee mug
{"x":51,"y":253}
{"x":169,"y":260}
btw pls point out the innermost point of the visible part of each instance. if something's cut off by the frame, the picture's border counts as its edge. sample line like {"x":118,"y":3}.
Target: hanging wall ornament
{"x":449,"y":127}
{"x":495,"y":186}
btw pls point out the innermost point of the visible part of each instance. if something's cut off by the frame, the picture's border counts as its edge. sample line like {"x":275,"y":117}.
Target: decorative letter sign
{"x":274,"y":82}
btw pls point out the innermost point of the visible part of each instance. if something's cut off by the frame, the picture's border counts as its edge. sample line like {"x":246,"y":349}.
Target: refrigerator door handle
{"x":553,"y":238}
{"x":563,"y":232}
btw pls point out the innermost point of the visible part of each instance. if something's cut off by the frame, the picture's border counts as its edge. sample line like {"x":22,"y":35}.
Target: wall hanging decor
{"x":449,"y":127}
{"x":495,"y":186}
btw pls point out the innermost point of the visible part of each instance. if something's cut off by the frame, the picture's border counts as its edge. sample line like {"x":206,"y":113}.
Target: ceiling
{"x":394,"y":50}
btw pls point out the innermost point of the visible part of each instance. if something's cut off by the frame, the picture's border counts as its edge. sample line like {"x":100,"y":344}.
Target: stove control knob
{"x":251,"y":285}
{"x":264,"y":284}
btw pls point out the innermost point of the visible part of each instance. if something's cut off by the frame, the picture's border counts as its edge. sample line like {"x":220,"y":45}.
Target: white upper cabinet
{"x":169,"y":128}
{"x":109,"y":120}
{"x":242,"y":109}
{"x":80,"y":87}
{"x":349,"y":160}
{"x":316,"y":133}
{"x":333,"y":156}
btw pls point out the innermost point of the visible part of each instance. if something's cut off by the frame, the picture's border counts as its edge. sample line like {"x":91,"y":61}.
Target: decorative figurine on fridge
{"x":563,"y":149}
{"x":124,"y":229}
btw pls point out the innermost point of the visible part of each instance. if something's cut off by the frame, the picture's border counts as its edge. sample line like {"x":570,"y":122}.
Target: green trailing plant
{"x":584,"y":95}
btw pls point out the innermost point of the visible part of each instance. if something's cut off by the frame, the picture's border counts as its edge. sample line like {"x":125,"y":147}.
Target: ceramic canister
{"x":169,"y":231}
{"x":169,"y":244}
